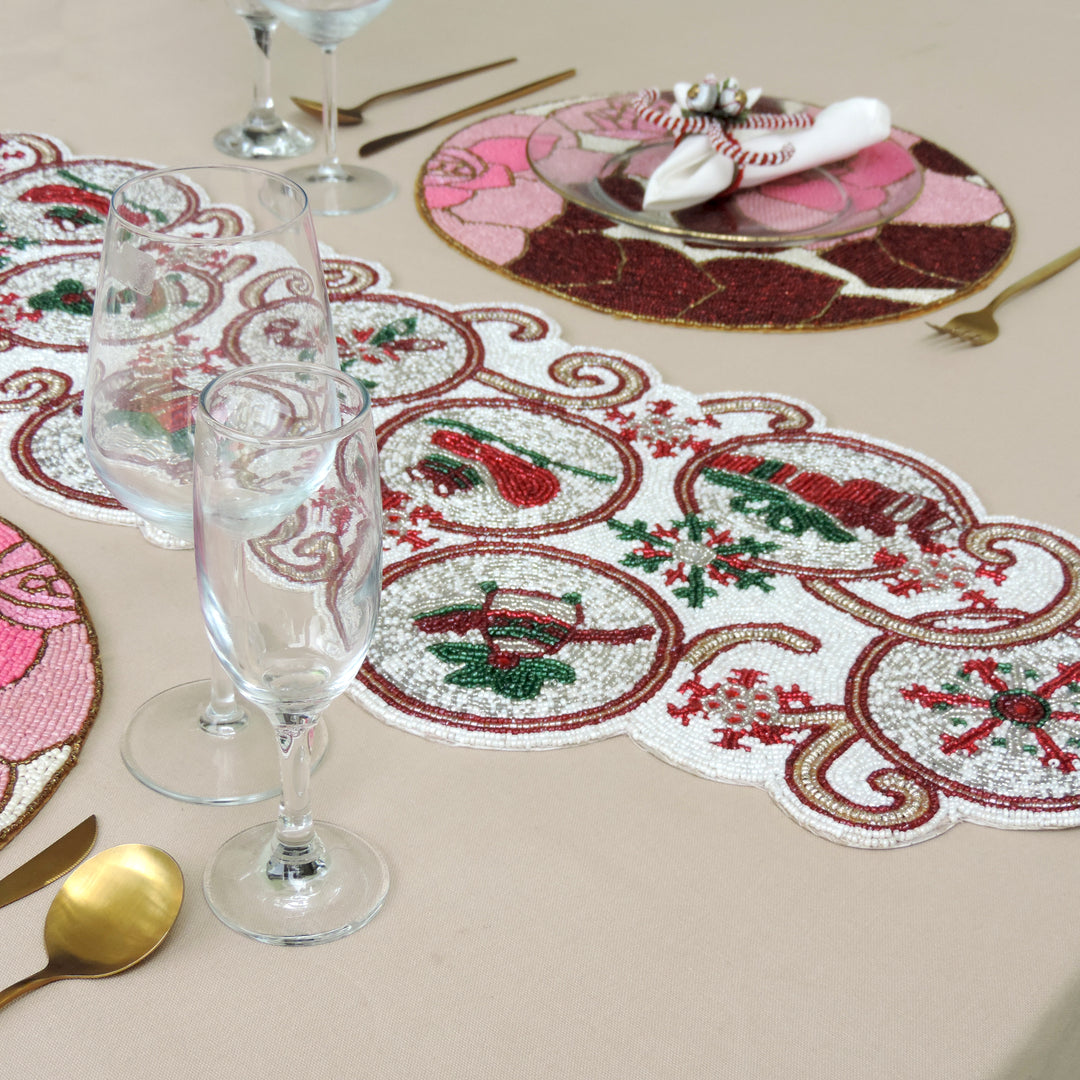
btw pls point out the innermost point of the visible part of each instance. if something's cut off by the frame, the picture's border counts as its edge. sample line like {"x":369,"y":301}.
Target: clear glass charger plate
{"x":599,"y":154}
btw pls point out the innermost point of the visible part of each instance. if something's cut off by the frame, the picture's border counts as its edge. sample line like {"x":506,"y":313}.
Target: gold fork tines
{"x":979,"y":327}
{"x":974,"y":327}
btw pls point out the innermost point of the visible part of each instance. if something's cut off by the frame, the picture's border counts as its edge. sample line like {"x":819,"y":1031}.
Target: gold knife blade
{"x":56,"y":860}
{"x":384,"y":141}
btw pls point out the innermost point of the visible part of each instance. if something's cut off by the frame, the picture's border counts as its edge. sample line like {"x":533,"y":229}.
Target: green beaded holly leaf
{"x":480,"y":669}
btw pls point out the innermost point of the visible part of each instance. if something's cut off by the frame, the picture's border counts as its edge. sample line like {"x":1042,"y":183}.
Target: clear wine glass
{"x":262,"y":133}
{"x":332,"y":187}
{"x":202,"y":270}
{"x":288,"y":545}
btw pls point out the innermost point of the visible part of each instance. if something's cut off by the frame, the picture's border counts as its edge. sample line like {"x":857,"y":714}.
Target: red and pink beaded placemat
{"x":575,"y":549}
{"x":480,"y":193}
{"x":50,"y":679}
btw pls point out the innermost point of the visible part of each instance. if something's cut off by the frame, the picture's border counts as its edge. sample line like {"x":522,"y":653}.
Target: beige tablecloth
{"x":587,"y":912}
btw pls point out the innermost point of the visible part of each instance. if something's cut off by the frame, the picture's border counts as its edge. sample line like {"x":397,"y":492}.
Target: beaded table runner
{"x":479,"y":192}
{"x":50,"y":680}
{"x":575,"y":549}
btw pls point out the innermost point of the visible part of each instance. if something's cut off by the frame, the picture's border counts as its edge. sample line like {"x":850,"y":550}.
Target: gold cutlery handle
{"x":428,"y":84}
{"x":24,"y":986}
{"x":384,"y":141}
{"x":1036,"y":277}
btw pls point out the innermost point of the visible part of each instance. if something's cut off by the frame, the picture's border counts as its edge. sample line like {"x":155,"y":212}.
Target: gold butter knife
{"x":56,"y":860}
{"x":384,"y":141}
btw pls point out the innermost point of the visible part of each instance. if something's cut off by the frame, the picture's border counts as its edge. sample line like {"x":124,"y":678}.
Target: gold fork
{"x":979,"y":327}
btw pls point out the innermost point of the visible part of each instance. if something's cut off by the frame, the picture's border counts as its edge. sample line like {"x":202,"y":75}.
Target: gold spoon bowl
{"x":110,"y":913}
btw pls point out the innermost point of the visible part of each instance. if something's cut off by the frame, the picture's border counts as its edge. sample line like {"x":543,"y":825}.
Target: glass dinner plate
{"x":599,"y":154}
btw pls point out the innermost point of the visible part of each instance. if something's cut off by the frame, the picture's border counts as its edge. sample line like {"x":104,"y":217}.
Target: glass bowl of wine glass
{"x":202,"y":270}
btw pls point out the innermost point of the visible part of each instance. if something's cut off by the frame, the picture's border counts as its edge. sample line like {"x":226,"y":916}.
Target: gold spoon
{"x":112,"y":912}
{"x":355,"y":114}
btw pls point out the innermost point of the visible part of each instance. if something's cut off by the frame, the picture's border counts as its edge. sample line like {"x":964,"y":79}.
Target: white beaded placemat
{"x":575,"y":550}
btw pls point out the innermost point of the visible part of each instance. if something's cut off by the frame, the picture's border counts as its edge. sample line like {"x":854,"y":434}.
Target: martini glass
{"x":262,"y":133}
{"x":288,"y":546}
{"x":202,"y":270}
{"x":334,"y":188}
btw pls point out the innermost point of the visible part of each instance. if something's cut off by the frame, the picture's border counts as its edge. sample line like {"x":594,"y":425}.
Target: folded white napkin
{"x":695,"y":171}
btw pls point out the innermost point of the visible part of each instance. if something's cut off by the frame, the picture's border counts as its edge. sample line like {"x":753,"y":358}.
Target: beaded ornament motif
{"x":574,"y":549}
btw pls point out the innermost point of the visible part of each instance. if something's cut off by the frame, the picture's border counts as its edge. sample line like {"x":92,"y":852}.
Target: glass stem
{"x":297,"y":851}
{"x":224,"y":715}
{"x":262,"y":113}
{"x":331,"y":166}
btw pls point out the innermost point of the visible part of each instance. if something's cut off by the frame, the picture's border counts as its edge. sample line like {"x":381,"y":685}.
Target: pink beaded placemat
{"x":50,"y":678}
{"x":481,"y":194}
{"x":575,"y":549}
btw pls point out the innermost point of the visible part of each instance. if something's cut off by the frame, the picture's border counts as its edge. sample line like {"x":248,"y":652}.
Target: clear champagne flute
{"x":332,"y":187}
{"x":202,"y":270}
{"x":288,"y":546}
{"x":262,"y":133}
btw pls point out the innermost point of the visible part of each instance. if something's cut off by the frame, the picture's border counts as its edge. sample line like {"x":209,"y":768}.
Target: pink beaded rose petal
{"x":49,"y":677}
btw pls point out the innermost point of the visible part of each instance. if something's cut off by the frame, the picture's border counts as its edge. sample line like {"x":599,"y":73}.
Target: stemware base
{"x":169,"y":749}
{"x":337,"y":900}
{"x":253,"y":142}
{"x":343,"y":189}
